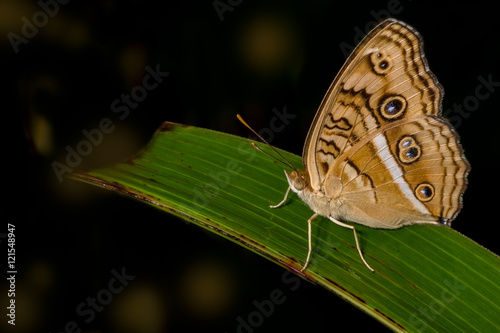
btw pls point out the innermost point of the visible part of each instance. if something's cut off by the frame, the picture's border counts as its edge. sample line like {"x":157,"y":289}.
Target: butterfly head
{"x":297,"y":179}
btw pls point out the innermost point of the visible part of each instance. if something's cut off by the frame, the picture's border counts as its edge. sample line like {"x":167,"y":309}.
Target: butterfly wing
{"x":385,"y":79}
{"x":411,"y":171}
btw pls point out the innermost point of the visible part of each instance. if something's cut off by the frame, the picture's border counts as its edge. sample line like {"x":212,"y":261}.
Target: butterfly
{"x":378,"y":152}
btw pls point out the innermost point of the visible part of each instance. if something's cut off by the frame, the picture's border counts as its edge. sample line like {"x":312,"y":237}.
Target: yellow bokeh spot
{"x":270,"y":43}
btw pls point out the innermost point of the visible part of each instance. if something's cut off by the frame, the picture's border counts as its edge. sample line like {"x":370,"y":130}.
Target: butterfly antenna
{"x":285,"y":162}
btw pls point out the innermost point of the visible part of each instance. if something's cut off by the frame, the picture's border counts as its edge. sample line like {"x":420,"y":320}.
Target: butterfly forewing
{"x":385,"y":79}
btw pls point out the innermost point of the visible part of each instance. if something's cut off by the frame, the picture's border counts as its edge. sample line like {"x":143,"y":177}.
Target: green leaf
{"x":426,"y":277}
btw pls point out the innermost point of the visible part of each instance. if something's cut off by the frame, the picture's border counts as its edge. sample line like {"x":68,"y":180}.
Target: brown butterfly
{"x":378,"y":152}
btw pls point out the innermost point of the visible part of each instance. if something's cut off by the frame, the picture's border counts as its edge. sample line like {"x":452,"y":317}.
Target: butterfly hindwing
{"x":411,"y":171}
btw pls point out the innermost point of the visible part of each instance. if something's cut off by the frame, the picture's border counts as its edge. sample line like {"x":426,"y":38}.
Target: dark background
{"x":262,"y":55}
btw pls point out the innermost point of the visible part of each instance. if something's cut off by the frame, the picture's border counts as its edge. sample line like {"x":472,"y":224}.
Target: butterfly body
{"x":378,"y":152}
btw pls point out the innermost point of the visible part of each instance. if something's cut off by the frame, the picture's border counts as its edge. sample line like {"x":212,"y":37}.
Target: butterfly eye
{"x":299,"y":183}
{"x":424,"y":192}
{"x":296,"y":180}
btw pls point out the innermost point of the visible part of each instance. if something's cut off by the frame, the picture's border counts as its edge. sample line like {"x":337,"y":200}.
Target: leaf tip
{"x":167,"y":126}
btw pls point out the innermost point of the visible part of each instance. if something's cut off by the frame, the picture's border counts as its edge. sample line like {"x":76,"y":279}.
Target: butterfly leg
{"x":282,"y":201}
{"x":309,"y":242}
{"x":356,"y":239}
